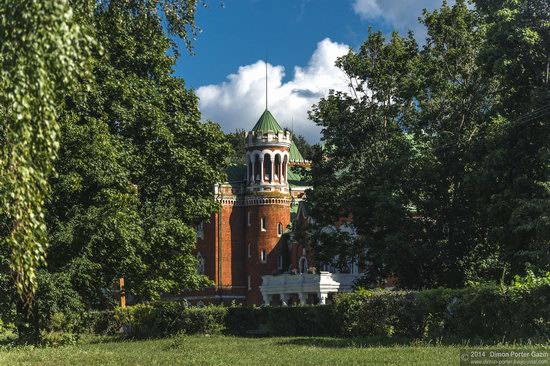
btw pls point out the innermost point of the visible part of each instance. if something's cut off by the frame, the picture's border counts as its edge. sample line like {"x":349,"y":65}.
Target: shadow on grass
{"x":347,"y":342}
{"x":362,"y":342}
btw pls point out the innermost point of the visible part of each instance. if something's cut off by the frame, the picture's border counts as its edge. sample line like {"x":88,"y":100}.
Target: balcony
{"x":304,"y":284}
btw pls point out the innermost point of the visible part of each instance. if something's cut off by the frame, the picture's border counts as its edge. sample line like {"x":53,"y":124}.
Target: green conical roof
{"x":295,"y":155}
{"x":267,"y":123}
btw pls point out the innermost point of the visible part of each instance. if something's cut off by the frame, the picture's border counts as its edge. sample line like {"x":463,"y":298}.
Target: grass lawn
{"x":220,"y":350}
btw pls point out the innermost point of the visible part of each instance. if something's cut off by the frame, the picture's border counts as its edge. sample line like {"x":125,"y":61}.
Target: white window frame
{"x":249,"y":252}
{"x":263,"y":256}
{"x":263,"y":224}
{"x":249,"y":283}
{"x":279,"y":229}
{"x":248,"y":221}
{"x":303,"y":259}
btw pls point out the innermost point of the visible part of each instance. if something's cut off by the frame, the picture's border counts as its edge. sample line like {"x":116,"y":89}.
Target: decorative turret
{"x":267,"y":156}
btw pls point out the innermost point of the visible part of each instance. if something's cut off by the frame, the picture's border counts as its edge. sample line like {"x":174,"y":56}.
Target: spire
{"x":266,"y":82}
{"x":267,"y":123}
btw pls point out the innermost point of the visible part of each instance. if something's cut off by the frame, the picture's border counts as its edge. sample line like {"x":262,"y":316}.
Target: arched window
{"x":200,"y":264}
{"x":303,"y":265}
{"x":248,"y":222}
{"x":249,"y":283}
{"x":200,"y":230}
{"x":267,"y":168}
{"x":249,"y":250}
{"x":277,"y":174}
{"x":263,"y":224}
{"x":257,"y":168}
{"x":263,"y":256}
{"x":250,"y":177}
{"x":280,"y":229}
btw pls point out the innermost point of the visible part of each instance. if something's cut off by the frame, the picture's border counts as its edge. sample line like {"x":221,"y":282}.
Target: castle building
{"x":246,"y":247}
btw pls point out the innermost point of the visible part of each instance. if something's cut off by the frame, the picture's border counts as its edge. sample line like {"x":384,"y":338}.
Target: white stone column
{"x":281,"y":180}
{"x":284,"y":298}
{"x":267,"y":299}
{"x":286,"y":172}
{"x":248,"y":168}
{"x":253,"y":165}
{"x":303,"y":298}
{"x":272,"y":161}
{"x":322,"y":297}
{"x":262,"y":173}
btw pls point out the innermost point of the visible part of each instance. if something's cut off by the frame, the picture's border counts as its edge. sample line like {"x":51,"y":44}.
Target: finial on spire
{"x":266,"y":82}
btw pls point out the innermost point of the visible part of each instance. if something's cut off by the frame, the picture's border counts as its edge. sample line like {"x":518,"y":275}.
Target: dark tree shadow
{"x":356,"y":342}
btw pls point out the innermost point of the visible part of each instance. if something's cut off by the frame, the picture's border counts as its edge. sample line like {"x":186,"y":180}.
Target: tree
{"x":516,"y":169}
{"x":43,"y":52}
{"x":423,"y":156}
{"x":137,"y":166}
{"x":303,"y":146}
{"x":237,"y":141}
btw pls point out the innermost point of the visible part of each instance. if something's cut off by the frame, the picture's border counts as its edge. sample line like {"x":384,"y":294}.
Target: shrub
{"x":101,"y":322}
{"x":57,"y":304}
{"x":483,"y":313}
{"x":239,"y":320}
{"x":301,"y":320}
{"x":166,"y":318}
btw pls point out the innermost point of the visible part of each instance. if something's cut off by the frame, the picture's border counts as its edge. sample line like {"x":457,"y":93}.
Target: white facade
{"x":304,"y":284}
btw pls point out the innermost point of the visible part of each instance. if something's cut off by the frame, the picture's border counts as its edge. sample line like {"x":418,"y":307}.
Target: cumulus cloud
{"x":401,"y":14}
{"x":238,"y":102}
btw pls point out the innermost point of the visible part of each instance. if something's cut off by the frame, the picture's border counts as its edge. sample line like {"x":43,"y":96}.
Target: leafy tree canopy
{"x":440,"y":157}
{"x":136,"y":166}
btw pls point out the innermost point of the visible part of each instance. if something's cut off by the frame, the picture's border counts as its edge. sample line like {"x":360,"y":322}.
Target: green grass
{"x":220,"y":350}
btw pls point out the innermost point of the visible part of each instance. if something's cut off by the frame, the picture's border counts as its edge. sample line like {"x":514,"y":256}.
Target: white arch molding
{"x":302,"y":264}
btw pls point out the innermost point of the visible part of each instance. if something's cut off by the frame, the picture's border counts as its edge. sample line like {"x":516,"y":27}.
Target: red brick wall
{"x":233,"y":247}
{"x":268,"y":240}
{"x":231,"y":284}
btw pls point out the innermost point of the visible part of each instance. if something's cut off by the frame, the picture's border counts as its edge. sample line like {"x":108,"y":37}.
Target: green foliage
{"x":483,"y":313}
{"x":237,"y":141}
{"x":57,"y":304}
{"x":42,"y":54}
{"x":168,"y":318}
{"x":303,"y":146}
{"x":136,"y":166}
{"x":101,"y":322}
{"x":440,"y":155}
{"x":281,"y":321}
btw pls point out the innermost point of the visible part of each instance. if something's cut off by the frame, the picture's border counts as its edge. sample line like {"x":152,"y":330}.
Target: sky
{"x":300,"y":39}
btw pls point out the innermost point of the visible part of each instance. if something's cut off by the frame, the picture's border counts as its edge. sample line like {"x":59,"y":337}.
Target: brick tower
{"x":266,"y":202}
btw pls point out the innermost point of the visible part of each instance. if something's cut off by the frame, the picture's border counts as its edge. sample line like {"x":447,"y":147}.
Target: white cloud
{"x":238,"y":102}
{"x":401,"y":14}
{"x":367,"y":9}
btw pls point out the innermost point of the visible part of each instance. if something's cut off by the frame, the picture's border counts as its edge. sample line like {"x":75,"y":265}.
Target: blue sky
{"x":301,"y":39}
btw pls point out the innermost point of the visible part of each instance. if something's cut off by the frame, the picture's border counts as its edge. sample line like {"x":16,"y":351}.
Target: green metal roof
{"x":267,"y":123}
{"x":295,"y":154}
{"x":236,"y":173}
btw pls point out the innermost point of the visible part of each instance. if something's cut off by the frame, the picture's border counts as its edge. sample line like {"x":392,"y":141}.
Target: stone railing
{"x":306,"y":283}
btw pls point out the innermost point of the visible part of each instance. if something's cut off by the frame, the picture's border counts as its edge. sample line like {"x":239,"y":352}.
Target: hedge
{"x":478,"y":314}
{"x":482,"y":313}
{"x":166,"y":318}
